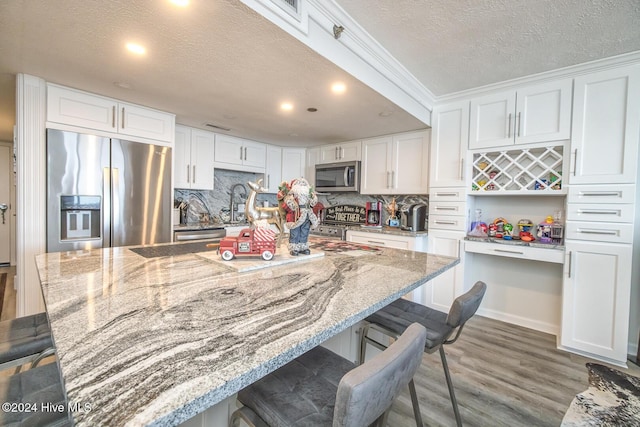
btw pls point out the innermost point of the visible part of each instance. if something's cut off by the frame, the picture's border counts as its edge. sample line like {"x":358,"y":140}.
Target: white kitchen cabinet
{"x":595,"y":299}
{"x":313,"y":156}
{"x":396,"y":164}
{"x":538,"y":113}
{"x":293,"y":163}
{"x":449,"y":139}
{"x":77,"y":108}
{"x":240,"y":154}
{"x":273,"y":169}
{"x":193,"y":158}
{"x":606,"y":125}
{"x":343,"y":152}
{"x":416,"y":243}
{"x":440,"y":292}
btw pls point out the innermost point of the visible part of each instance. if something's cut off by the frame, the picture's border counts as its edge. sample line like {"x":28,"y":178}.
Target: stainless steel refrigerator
{"x":104,"y":192}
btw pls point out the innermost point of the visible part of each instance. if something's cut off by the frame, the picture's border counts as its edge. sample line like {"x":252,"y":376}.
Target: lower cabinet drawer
{"x":447,"y":222}
{"x":511,"y":251}
{"x":600,"y":212}
{"x":599,"y":231}
{"x":447,"y":208}
{"x":448,"y":194}
{"x":608,"y":193}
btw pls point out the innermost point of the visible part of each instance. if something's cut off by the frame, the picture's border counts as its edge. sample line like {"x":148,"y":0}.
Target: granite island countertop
{"x":158,"y":340}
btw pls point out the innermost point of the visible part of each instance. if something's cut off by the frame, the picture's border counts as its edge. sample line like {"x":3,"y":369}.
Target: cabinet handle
{"x":122,"y":117}
{"x":393,"y":179}
{"x":188,"y":174}
{"x":194,"y":174}
{"x":508,"y":252}
{"x":461,"y":169}
{"x":446,"y":208}
{"x":594,"y":212}
{"x":240,"y":153}
{"x":459,"y":247}
{"x":519,"y":123}
{"x":447,"y":194}
{"x":245,"y":153}
{"x":388,"y":174}
{"x":268,"y":180}
{"x":375,"y":242}
{"x":600,"y":193}
{"x":575,"y":161}
{"x":570,"y":263}
{"x":509,"y":127}
{"x":437,"y":221}
{"x":113,"y":116}
{"x":336,"y":155}
{"x":602,"y":232}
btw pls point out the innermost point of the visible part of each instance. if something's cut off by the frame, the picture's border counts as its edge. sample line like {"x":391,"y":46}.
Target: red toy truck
{"x":258,"y":241}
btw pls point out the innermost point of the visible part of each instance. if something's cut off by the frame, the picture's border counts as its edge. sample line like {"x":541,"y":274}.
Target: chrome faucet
{"x":232,"y":203}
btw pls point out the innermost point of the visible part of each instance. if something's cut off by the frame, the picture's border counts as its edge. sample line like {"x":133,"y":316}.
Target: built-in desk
{"x":158,"y":340}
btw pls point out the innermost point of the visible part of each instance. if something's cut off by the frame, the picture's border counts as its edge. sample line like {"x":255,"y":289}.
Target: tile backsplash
{"x":212,"y":202}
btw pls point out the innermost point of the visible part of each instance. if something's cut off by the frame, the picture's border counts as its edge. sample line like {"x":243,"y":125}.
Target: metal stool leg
{"x":452,"y":394}
{"x":415,"y":404}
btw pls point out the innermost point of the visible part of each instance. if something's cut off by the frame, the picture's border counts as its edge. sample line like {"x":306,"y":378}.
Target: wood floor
{"x":504,"y":375}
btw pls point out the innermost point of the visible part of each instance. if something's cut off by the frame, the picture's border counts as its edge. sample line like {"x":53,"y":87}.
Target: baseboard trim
{"x":536,"y":325}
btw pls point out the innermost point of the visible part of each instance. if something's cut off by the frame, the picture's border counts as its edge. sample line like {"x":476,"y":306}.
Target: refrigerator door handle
{"x":106,"y":207}
{"x":115,"y":201}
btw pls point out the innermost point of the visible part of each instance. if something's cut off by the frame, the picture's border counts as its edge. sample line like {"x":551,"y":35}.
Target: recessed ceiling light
{"x":136,"y":48}
{"x":338,"y":88}
{"x":181,"y":3}
{"x":286,"y":106}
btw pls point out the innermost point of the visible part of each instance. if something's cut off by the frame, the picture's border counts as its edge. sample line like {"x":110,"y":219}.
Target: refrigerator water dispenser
{"x":79,"y":217}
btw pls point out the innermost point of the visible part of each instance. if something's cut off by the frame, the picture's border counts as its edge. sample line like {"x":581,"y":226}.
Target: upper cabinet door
{"x":81,"y":109}
{"x":375,"y":173}
{"x":606,"y":127}
{"x":293,"y":163}
{"x":539,"y":113}
{"x":255,"y":154}
{"x":145,"y":122}
{"x":273,"y":169}
{"x":543,"y":112}
{"x":343,"y":152}
{"x":202,"y":152}
{"x":449,"y":138}
{"x":182,"y":158}
{"x":410,"y":168}
{"x":492,"y":120}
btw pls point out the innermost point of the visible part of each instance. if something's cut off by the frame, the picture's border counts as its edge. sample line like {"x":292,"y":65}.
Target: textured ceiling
{"x":220,"y":62}
{"x":453,"y":45}
{"x":216,"y":62}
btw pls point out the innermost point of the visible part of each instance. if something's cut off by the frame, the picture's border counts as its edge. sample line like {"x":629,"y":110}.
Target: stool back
{"x":367,"y":392}
{"x":466,"y":305}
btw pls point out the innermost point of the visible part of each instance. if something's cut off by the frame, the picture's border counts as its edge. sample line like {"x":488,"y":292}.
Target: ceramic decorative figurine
{"x":298,"y":202}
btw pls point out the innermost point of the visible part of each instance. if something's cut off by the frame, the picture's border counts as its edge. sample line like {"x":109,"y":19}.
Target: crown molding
{"x":625,"y":59}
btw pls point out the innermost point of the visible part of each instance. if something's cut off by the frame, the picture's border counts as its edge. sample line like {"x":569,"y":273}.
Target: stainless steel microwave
{"x":338,"y":177}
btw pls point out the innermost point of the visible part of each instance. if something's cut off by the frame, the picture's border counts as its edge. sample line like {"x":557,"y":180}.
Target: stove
{"x":336,"y":220}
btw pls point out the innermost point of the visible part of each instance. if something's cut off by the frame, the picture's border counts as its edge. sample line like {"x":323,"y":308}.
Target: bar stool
{"x":321,"y":388}
{"x":393,"y":319}
{"x":38,"y":397}
{"x":25,"y":339}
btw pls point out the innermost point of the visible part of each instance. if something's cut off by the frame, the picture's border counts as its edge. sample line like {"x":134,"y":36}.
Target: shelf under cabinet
{"x":518,"y":249}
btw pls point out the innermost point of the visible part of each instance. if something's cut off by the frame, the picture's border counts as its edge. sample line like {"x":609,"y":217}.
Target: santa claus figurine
{"x":298,"y":199}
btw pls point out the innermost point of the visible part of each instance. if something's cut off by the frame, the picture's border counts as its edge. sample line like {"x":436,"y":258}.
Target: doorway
{"x":6,"y":213}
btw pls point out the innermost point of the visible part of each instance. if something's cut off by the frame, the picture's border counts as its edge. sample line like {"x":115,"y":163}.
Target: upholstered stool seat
{"x":24,"y":339}
{"x":40,"y":388}
{"x":321,"y":388}
{"x":442,"y":329}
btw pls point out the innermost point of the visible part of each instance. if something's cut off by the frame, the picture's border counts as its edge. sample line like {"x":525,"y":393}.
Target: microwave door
{"x":347,"y":181}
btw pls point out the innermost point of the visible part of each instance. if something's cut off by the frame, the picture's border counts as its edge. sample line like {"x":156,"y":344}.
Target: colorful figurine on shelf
{"x":499,"y":224}
{"x":557,"y":229}
{"x":544,"y":230}
{"x":526,"y":227}
{"x":508,"y":232}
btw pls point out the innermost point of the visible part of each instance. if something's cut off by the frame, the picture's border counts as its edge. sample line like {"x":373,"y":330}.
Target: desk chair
{"x":321,"y":388}
{"x":393,"y":319}
{"x":25,"y":339}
